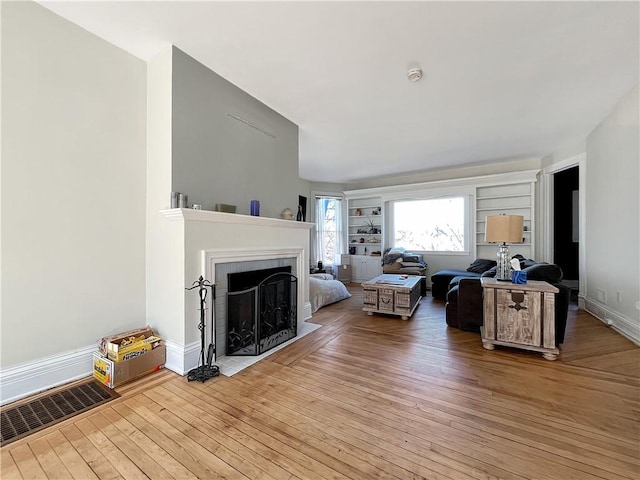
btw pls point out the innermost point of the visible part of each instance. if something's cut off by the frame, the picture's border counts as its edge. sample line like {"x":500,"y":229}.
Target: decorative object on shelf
{"x":286,"y":214}
{"x":223,"y":207}
{"x":361,"y":240}
{"x":299,"y":215}
{"x":255,"y":208}
{"x":196,"y":206}
{"x":302,"y":202}
{"x":174,"y":199}
{"x":358,"y":212}
{"x":205,"y":369}
{"x":372,"y":227}
{"x":504,"y":229}
{"x":352,"y":250}
{"x":182,"y":200}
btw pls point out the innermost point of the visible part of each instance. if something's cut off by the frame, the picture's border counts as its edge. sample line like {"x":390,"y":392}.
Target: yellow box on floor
{"x":126,"y":351}
{"x":112,"y":373}
{"x":126,"y":345}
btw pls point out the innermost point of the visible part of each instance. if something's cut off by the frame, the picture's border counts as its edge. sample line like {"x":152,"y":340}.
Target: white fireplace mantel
{"x":186,"y":245}
{"x":182,"y":214}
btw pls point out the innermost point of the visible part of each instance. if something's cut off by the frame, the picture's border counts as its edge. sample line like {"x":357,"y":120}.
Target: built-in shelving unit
{"x":509,"y":199}
{"x":365,"y":237}
{"x":365,"y":223}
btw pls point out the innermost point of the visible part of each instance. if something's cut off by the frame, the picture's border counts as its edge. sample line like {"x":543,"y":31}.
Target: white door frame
{"x":579,"y":161}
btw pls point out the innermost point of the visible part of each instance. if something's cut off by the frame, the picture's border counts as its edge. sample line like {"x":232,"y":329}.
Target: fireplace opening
{"x":261,"y":310}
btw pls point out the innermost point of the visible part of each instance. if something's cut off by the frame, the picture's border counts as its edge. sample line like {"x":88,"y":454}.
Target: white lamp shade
{"x":503,"y":229}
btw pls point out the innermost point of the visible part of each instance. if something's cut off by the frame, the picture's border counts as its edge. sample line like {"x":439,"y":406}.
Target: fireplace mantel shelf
{"x":182,"y":214}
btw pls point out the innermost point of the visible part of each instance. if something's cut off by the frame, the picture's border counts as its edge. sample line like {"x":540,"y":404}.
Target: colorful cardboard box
{"x":112,"y":342}
{"x":127,"y":351}
{"x":113,"y":374}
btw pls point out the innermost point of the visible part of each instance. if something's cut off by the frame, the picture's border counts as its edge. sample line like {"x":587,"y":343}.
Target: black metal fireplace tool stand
{"x":205,"y":370}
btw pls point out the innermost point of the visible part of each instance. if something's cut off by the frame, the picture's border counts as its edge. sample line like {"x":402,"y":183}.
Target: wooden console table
{"x":392,"y":294}
{"x":521,"y":316}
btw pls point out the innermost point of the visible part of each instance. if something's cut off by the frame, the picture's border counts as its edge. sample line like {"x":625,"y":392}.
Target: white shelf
{"x":483,"y":244}
{"x":512,"y":198}
{"x":525,"y":232}
{"x":482,"y":221}
{"x":494,"y":197}
{"x":522,"y":207}
{"x":365,"y":221}
{"x":365,"y":205}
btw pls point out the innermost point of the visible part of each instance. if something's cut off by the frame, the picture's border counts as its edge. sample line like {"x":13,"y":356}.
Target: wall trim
{"x":547,"y":200}
{"x":31,"y":378}
{"x":181,"y":358}
{"x":620,"y":323}
{"x":182,"y":214}
{"x":34,"y":377}
{"x":524,"y":176}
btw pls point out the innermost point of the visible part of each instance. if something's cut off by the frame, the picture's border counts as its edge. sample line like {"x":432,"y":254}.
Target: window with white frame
{"x":328,"y":229}
{"x":431,"y":225}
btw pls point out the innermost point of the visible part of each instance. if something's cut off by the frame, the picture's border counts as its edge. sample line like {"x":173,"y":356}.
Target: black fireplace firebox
{"x":262,"y":316}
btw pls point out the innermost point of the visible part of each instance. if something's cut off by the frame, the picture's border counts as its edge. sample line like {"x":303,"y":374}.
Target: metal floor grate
{"x":27,"y":418}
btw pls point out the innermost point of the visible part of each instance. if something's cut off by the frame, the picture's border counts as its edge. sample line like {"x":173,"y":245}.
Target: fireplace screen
{"x":262,"y":317}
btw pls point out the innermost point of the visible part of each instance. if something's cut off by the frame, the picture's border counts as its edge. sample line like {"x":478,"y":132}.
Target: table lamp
{"x":503,"y":229}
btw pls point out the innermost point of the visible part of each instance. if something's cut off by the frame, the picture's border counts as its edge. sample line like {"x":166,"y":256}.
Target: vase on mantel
{"x":299,"y":215}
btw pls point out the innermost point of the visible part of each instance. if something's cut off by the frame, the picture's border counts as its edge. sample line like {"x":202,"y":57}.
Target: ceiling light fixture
{"x":414,"y":74}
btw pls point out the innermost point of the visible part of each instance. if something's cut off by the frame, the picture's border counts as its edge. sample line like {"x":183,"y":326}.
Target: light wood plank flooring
{"x":368,"y":397}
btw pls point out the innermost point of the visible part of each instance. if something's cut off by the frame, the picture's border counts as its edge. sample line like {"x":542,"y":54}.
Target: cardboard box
{"x":118,"y":352}
{"x":342,"y":272}
{"x":113,"y":374}
{"x":110,"y":342}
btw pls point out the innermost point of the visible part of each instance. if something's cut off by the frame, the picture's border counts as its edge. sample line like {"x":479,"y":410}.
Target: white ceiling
{"x":502,"y":80}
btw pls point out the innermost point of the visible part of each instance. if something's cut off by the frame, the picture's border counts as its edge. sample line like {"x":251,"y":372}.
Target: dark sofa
{"x":441,"y":279}
{"x":464,"y":307}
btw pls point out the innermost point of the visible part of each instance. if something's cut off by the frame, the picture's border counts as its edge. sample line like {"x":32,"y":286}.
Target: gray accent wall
{"x":217,"y":158}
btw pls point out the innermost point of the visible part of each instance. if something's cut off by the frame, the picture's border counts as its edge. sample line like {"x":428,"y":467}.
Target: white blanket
{"x":324,"y":290}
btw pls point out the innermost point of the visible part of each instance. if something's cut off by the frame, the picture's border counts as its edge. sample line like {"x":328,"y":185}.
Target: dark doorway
{"x":565,"y":222}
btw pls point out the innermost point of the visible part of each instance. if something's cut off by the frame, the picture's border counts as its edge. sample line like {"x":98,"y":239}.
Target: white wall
{"x":165,"y":240}
{"x":73,"y":186}
{"x":613,"y":217}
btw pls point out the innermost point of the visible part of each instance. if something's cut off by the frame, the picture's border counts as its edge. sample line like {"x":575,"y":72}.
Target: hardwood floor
{"x":368,"y":397}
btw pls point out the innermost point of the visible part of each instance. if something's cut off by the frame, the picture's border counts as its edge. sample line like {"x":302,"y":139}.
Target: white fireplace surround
{"x":246,"y":258}
{"x":192,"y":243}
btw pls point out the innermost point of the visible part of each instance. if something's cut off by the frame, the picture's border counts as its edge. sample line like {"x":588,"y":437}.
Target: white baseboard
{"x":622,"y":324}
{"x":181,"y":359}
{"x":34,"y":377}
